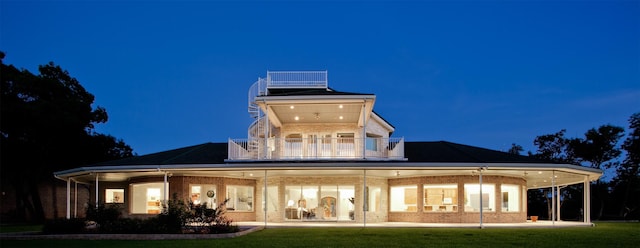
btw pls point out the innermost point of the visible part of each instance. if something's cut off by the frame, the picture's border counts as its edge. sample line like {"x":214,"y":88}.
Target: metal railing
{"x":297,"y":79}
{"x":316,"y":148}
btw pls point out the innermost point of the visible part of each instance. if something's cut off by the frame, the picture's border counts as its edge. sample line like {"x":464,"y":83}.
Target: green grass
{"x":603,"y":235}
{"x":20,"y":228}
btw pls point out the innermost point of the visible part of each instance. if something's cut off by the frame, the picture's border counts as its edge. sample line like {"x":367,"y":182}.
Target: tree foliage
{"x":48,"y":125}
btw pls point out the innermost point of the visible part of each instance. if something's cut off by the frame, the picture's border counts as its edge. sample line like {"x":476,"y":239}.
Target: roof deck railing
{"x":297,"y":79}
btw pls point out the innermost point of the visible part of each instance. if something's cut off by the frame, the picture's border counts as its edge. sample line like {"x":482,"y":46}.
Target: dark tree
{"x":47,"y":125}
{"x":515,"y":149}
{"x":627,"y":181}
{"x":552,"y":147}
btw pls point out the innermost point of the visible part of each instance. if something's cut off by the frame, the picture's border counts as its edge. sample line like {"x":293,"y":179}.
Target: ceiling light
{"x":340,"y":106}
{"x":341,"y":117}
{"x":539,"y":172}
{"x":296,"y":118}
{"x":291,"y":107}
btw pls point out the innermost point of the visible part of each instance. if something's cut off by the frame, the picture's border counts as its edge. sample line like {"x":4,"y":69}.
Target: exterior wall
{"x":460,"y":216}
{"x":375,"y":127}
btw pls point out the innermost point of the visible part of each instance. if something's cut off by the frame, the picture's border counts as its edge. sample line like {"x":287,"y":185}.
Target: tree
{"x":628,"y":173}
{"x":598,"y":149}
{"x":552,"y":147}
{"x":47,"y":125}
{"x":515,"y":149}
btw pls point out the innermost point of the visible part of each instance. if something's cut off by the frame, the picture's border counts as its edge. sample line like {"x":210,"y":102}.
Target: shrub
{"x":64,"y":226}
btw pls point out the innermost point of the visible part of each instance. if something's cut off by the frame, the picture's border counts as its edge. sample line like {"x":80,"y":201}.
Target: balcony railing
{"x":316,"y":149}
{"x":297,"y":79}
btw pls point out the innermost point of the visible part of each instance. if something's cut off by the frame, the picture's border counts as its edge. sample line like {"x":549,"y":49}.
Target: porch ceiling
{"x":317,"y":113}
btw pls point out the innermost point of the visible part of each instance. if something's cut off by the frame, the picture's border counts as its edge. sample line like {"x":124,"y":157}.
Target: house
{"x":317,"y":154}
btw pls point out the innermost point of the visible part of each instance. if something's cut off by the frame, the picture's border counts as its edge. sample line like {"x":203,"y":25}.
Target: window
{"x":204,"y":194}
{"x":404,"y":198}
{"x":510,"y":198}
{"x":240,"y":198}
{"x":114,"y":196}
{"x":146,"y":198}
{"x":441,"y":197}
{"x":372,"y":142}
{"x":472,"y":197}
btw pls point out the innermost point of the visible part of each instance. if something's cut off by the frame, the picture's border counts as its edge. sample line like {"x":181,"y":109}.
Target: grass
{"x":603,"y":235}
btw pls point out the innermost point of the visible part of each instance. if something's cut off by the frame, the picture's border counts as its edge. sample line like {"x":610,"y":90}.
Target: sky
{"x":484,"y":73}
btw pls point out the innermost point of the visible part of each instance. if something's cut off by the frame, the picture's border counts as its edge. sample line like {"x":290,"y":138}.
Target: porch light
{"x":340,"y":106}
{"x":341,"y":117}
{"x":291,"y":107}
{"x":296,"y":118}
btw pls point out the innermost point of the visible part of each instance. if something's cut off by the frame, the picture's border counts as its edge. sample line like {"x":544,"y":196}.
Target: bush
{"x":64,"y":226}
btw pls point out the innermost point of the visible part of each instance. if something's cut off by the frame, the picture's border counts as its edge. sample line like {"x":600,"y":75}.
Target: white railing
{"x":314,"y":149}
{"x":297,"y":79}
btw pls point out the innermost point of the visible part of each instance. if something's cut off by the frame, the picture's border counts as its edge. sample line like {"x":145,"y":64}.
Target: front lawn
{"x":603,"y":235}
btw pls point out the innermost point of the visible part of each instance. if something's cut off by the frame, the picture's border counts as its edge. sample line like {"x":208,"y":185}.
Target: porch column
{"x":481,"y":208}
{"x":586,"y":208}
{"x":97,"y":193}
{"x":75,"y":198}
{"x":553,"y":199}
{"x":365,"y":196}
{"x":266,"y":135}
{"x":165,"y":186}
{"x":68,"y":198}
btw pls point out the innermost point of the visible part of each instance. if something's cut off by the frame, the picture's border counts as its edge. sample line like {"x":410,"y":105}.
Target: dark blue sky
{"x":483,"y":73}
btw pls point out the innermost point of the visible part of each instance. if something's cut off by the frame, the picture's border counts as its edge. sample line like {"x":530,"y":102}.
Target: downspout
{"x":265,"y":199}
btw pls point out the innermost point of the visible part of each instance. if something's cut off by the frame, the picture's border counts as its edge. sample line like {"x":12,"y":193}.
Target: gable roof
{"x":426,"y":152}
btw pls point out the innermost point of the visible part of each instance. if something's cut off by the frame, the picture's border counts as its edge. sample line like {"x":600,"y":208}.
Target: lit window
{"x":114,"y":196}
{"x":510,"y":198}
{"x":240,"y":198}
{"x":404,"y":198}
{"x":204,"y":194}
{"x":146,"y":198}
{"x":472,"y":197}
{"x":441,"y":197}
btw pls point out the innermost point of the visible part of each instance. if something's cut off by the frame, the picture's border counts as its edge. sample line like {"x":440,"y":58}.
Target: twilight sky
{"x":484,"y":73}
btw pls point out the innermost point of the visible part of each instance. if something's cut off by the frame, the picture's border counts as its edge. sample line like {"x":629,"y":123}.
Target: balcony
{"x":316,"y":149}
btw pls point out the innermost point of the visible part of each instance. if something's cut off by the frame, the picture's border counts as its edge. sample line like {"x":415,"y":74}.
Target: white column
{"x":68,"y":198}
{"x":97,"y":193}
{"x":586,"y":209}
{"x":266,"y":135}
{"x":553,"y":199}
{"x":75,"y":198}
{"x":166,"y":189}
{"x":481,"y":208}
{"x":364,"y":200}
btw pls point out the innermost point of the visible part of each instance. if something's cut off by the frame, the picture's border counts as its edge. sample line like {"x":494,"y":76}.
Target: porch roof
{"x":424,"y":158}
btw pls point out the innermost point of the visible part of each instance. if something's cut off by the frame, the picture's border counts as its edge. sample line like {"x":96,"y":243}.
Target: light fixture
{"x":340,"y":106}
{"x":291,"y":107}
{"x":317,"y":115}
{"x":341,"y":117}
{"x":539,"y":172}
{"x":397,"y":173}
{"x":296,"y":118}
